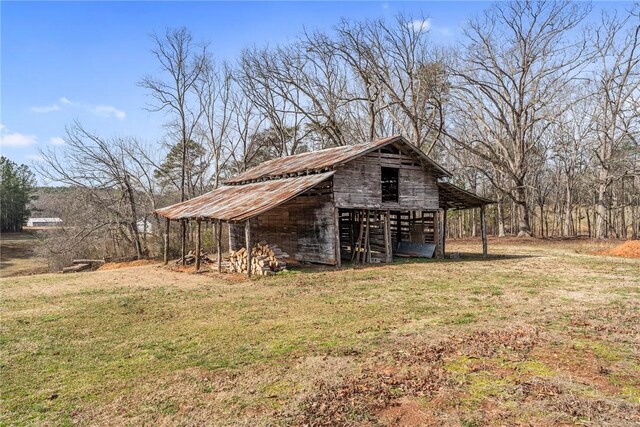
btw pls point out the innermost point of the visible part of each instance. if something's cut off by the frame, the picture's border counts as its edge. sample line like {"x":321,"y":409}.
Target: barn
{"x":363,"y":203}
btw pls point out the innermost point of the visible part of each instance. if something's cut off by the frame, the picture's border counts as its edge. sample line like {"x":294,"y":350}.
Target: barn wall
{"x":357,"y":183}
{"x":302,"y":227}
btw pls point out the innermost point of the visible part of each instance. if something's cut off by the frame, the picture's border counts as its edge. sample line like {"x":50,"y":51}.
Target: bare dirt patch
{"x":628,"y":249}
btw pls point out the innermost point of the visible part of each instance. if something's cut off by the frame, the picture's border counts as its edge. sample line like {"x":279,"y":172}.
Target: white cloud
{"x":420,"y":25}
{"x":16,"y":139}
{"x":46,"y":108}
{"x":36,"y":157}
{"x":109,"y":111}
{"x":56,"y":140}
{"x":101,"y":110}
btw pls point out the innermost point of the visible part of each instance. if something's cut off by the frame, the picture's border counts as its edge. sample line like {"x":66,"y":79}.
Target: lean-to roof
{"x":241,"y":202}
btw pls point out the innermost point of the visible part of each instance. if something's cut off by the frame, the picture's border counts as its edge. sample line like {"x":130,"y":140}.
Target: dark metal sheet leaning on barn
{"x":240,"y":202}
{"x":319,"y":161}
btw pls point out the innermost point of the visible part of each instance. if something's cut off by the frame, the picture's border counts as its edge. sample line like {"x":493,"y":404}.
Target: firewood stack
{"x":265,"y":260}
{"x":190,"y":258}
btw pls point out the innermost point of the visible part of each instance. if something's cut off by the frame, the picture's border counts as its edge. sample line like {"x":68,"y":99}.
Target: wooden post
{"x":165,"y":259}
{"x":387,"y":237}
{"x":444,"y":232}
{"x":336,"y":225}
{"x":166,"y":242}
{"x":484,"y":231}
{"x":436,"y":234}
{"x":356,"y":249}
{"x":367,"y":251}
{"x":198,"y":243}
{"x":219,"y":239}
{"x":183,"y":229}
{"x":247,"y":241}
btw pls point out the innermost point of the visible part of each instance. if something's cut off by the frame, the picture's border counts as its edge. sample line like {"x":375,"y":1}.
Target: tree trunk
{"x":601,"y":208}
{"x":524,"y":224}
{"x":500,"y":214}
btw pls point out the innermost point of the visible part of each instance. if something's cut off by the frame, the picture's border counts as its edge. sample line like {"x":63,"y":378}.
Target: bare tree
{"x":615,"y":117}
{"x":517,"y":59}
{"x":107,"y":174}
{"x":182,"y":63}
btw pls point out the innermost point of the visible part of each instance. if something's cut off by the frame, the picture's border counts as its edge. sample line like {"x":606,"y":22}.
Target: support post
{"x":247,"y":240}
{"x":444,"y":232}
{"x":367,"y":251}
{"x":166,"y":242}
{"x":483,"y":220}
{"x":183,"y":230}
{"x":198,"y":243}
{"x":387,"y":237}
{"x":219,"y":240}
{"x":336,"y":225}
{"x":436,"y":234}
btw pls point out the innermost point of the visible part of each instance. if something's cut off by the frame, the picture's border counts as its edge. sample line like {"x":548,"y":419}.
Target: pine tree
{"x":17,"y":185}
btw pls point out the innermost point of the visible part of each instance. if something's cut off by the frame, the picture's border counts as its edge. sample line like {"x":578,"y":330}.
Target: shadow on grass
{"x":463,"y":257}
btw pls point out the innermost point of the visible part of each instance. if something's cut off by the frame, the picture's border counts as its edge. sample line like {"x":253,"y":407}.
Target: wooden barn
{"x":364,"y":203}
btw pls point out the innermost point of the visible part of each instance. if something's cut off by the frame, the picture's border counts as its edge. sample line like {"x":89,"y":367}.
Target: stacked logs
{"x":265,"y":260}
{"x":190,"y":258}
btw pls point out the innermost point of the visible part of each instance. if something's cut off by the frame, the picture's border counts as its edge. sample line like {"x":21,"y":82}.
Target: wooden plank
{"x":76,"y":268}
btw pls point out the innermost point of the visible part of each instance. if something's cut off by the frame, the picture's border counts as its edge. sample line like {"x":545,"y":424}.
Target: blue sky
{"x":62,"y":61}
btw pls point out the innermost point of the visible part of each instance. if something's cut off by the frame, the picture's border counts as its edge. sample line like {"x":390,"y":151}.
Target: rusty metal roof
{"x":318,"y":161}
{"x":453,"y":197}
{"x":241,"y":202}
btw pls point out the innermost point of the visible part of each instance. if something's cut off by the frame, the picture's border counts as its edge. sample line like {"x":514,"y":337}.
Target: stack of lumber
{"x":83,"y":264}
{"x":266,"y":259}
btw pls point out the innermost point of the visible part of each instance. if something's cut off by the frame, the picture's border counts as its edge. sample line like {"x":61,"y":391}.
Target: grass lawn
{"x":541,"y":333}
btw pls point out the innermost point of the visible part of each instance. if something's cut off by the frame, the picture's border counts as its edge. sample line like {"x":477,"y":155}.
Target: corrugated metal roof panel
{"x":240,"y":202}
{"x":453,"y":197}
{"x":317,"y":161}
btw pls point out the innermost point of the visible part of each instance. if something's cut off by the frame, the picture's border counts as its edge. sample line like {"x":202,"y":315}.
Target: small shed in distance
{"x":44,"y":222}
{"x":365,"y":203}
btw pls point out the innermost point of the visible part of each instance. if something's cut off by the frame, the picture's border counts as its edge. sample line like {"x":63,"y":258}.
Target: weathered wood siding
{"x":357,"y":183}
{"x":302,"y":227}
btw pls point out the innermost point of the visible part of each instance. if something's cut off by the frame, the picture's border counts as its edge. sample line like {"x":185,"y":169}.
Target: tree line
{"x":17,"y":186}
{"x":538,"y":108}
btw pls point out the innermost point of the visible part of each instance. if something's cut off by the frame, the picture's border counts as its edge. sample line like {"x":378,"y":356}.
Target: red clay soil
{"x":628,"y":249}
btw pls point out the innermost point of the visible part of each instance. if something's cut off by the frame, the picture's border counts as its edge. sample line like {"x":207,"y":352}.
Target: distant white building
{"x":44,"y":222}
{"x":144,"y":226}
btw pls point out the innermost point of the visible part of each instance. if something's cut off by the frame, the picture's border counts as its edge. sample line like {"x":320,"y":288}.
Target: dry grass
{"x":17,"y":255}
{"x":542,"y":333}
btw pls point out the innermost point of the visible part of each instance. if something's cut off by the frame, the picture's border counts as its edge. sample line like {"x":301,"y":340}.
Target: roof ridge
{"x":261,"y":171}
